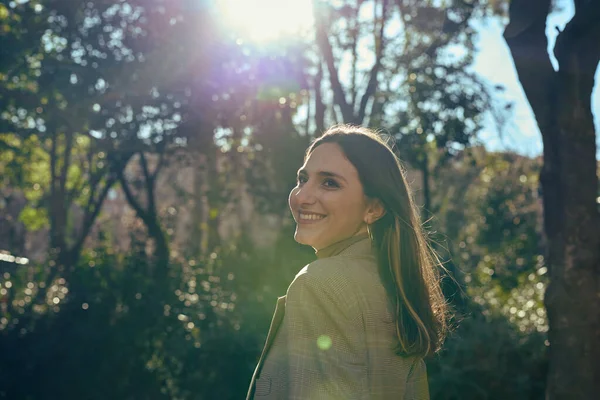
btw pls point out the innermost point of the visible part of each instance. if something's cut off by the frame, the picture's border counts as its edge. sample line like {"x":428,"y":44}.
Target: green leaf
{"x":34,"y":218}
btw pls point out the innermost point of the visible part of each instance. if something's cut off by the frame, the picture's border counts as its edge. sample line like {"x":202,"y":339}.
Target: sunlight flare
{"x":264,"y":20}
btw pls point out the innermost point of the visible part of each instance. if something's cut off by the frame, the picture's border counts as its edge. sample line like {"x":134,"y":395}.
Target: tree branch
{"x":579,"y":4}
{"x":372,"y":85}
{"x":581,"y":36}
{"x":354,"y":34}
{"x":525,"y":36}
{"x":130,"y":197}
{"x":319,"y":105}
{"x":149,"y":182}
{"x":308,"y":116}
{"x":53,"y":192}
{"x":66,"y":160}
{"x":451,"y":29}
{"x":92,"y":212}
{"x":327,"y":52}
{"x":85,"y":162}
{"x":160,"y":164}
{"x":144,"y":165}
{"x":94,"y":178}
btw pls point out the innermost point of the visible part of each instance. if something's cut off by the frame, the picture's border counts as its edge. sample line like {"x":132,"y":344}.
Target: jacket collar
{"x":354,"y":245}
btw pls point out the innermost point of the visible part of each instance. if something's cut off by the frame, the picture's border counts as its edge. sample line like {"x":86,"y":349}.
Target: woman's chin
{"x":303,"y":238}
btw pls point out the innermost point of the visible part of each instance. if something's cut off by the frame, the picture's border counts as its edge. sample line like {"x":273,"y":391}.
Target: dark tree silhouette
{"x":561,"y":102}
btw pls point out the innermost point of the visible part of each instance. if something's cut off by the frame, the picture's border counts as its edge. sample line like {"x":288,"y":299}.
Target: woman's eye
{"x":330,"y":183}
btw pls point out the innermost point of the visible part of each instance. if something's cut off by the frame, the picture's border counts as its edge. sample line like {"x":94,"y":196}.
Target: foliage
{"x":216,"y":310}
{"x":486,"y":358}
{"x":490,"y":215}
{"x":205,"y":341}
{"x":495,"y":228}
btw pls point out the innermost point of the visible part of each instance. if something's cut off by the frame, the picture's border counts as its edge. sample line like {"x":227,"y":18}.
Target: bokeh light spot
{"x":324,"y":342}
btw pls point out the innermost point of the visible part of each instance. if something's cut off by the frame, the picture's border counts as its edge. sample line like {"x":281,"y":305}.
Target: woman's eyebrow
{"x":328,"y":174}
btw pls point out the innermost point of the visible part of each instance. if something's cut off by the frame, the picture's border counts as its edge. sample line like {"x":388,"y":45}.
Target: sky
{"x":264,"y":19}
{"x":493,"y":62}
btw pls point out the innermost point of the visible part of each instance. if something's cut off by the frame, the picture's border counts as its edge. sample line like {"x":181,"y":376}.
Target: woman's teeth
{"x":311,"y":216}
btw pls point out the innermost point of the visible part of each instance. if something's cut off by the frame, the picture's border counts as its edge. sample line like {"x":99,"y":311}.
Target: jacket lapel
{"x":275,"y":323}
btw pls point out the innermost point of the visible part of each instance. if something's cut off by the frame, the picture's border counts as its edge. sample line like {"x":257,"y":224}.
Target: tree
{"x":444,"y":101}
{"x":47,"y":99}
{"x":418,"y":85}
{"x":561,"y":102}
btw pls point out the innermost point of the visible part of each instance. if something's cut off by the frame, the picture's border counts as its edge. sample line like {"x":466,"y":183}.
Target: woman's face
{"x":328,"y":202}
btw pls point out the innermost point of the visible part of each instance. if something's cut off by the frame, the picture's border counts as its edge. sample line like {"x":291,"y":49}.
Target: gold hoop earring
{"x":369,"y":232}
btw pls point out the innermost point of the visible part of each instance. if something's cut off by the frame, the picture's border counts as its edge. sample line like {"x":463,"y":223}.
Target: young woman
{"x":357,"y":322}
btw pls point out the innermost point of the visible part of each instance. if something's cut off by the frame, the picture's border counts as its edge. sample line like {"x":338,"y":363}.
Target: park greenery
{"x":146,"y":153}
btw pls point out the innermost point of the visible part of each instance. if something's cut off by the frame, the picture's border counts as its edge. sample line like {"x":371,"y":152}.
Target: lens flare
{"x":265,"y":20}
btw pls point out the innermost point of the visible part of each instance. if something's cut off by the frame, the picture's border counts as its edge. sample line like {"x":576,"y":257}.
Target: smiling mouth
{"x":310,"y":217}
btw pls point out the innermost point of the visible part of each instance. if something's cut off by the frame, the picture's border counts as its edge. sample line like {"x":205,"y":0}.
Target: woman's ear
{"x":375,"y":210}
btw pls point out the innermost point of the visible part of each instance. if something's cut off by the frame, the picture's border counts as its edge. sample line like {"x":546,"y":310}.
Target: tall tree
{"x":443,"y":101}
{"x":561,"y":102}
{"x":403,"y":66}
{"x":51,"y":90}
{"x":340,"y":31}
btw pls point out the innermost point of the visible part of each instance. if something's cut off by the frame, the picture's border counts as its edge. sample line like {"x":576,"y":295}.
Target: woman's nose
{"x":305,"y":195}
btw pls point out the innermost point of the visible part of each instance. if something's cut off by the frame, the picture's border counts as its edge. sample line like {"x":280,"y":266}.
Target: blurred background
{"x":147,"y":149}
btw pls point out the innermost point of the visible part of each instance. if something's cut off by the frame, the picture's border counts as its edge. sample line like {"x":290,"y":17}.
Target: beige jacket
{"x":333,"y":335}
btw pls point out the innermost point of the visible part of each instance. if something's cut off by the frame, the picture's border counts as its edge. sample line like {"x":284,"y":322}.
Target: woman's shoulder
{"x":340,"y":268}
{"x":352,"y":286}
{"x":339,"y":274}
{"x":330,"y":283}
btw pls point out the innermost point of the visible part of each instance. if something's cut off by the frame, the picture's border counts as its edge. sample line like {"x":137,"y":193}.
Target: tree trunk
{"x":60,"y":160}
{"x":319,"y":106}
{"x":561,"y":102}
{"x":213,"y":240}
{"x":347,"y":111}
{"x":196,"y":243}
{"x":149,"y":214}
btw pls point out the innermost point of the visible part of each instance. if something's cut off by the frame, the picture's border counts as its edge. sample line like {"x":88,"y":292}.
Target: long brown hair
{"x":408,"y":266}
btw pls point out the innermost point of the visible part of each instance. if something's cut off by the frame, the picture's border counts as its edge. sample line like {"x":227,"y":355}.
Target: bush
{"x":488,"y":358}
